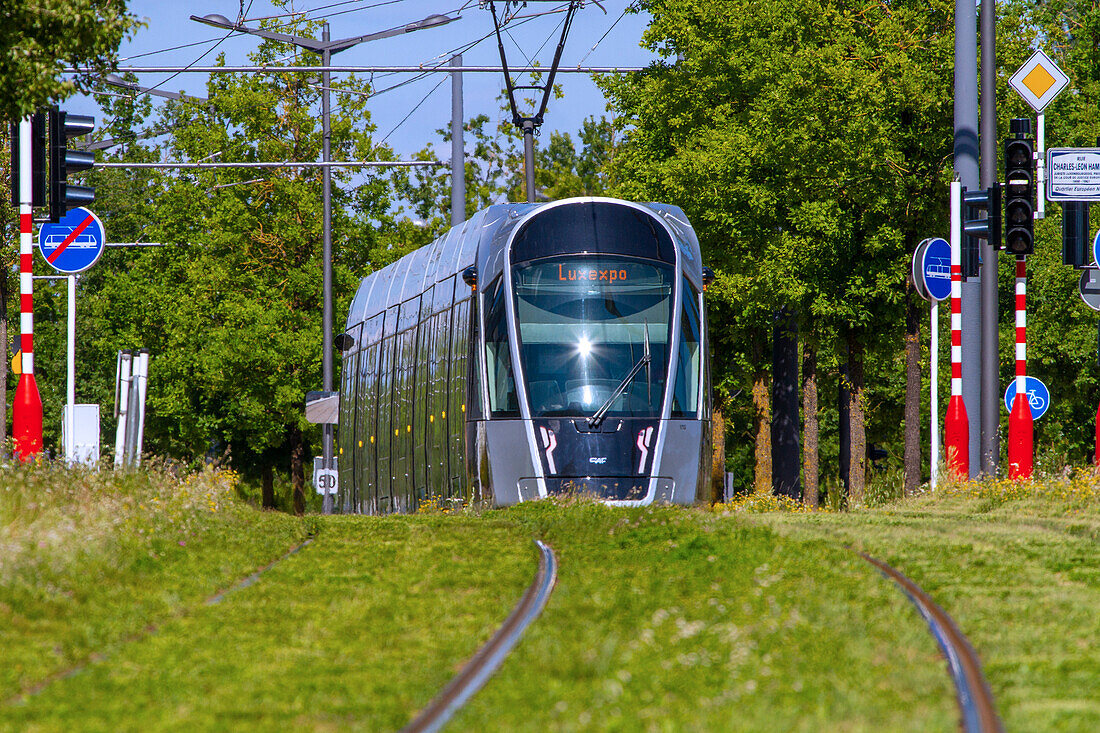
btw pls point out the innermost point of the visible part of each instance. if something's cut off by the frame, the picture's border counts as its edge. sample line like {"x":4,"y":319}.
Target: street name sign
{"x":1073,"y":174}
{"x":73,"y":244}
{"x":1039,"y":81}
{"x":1038,"y":397}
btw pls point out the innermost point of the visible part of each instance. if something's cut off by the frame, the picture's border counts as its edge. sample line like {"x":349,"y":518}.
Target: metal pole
{"x":1041,"y":166}
{"x":934,"y":388}
{"x":458,"y":148}
{"x":326,"y":326}
{"x":142,"y":381}
{"x":122,"y":388}
{"x":956,"y":424}
{"x":989,"y":412}
{"x":70,"y":382}
{"x":276,"y":164}
{"x":423,"y":69}
{"x":966,"y":168}
{"x":529,"y":158}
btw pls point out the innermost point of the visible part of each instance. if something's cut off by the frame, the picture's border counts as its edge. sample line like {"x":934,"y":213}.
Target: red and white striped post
{"x":26,"y":411}
{"x":1020,"y":424}
{"x":956,"y":425}
{"x":1097,"y":456}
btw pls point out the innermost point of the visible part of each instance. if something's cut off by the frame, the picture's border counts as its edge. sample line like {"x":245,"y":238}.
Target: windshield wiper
{"x":599,"y":415}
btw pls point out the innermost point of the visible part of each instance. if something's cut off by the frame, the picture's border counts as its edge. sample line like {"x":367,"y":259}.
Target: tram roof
{"x":481,"y":241}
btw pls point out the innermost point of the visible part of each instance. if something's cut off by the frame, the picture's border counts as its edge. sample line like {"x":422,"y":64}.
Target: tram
{"x":534,"y":350}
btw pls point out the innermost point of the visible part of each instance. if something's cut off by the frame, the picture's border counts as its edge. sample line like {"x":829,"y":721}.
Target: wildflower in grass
{"x":765,"y":502}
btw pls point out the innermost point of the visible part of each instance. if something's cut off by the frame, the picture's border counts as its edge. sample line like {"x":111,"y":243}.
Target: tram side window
{"x":498,"y":357}
{"x":685,"y":397}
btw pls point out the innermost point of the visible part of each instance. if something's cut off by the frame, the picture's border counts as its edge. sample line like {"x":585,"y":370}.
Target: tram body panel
{"x":492,"y":393}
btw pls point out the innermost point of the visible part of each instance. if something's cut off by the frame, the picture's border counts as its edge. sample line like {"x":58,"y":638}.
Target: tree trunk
{"x":268,"y":491}
{"x":912,"y":397}
{"x":4,"y":365}
{"x":761,"y":424}
{"x":857,"y":481}
{"x":297,"y":471}
{"x":844,"y":426}
{"x":784,"y":428}
{"x":718,"y":459}
{"x":810,"y":459}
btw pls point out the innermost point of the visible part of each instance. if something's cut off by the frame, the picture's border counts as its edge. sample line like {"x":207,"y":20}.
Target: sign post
{"x":932,"y":279}
{"x":70,"y":246}
{"x":26,"y":409}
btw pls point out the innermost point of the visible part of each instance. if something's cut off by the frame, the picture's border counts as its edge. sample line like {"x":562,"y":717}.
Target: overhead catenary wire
{"x":606,"y":33}
{"x":410,"y":114}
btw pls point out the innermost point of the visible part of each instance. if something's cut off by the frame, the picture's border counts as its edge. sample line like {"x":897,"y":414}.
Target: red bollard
{"x":956,"y":439}
{"x":26,"y":419}
{"x":1098,"y":437}
{"x":1021,"y":448}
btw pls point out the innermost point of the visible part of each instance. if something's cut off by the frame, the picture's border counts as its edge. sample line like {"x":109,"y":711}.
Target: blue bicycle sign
{"x":1038,"y":396}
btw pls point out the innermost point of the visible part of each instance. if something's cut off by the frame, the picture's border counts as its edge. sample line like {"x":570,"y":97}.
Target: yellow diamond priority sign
{"x":1039,"y":81}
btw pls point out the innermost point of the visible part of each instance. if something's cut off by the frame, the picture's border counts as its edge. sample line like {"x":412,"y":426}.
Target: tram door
{"x":456,"y":414}
{"x":349,"y":369}
{"x":421,"y":360}
{"x":366,"y":431}
{"x":386,"y":406}
{"x":404,"y":372}
{"x":439,"y":326}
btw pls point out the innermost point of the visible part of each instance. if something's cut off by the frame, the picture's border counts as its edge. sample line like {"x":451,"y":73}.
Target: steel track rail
{"x":978,"y":713}
{"x":488,"y":659}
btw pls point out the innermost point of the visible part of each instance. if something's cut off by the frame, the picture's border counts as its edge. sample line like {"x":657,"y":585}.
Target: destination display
{"x":586,"y":270}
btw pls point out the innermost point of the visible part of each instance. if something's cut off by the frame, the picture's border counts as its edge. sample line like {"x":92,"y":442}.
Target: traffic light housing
{"x":1020,"y":190}
{"x":63,"y":161}
{"x":38,"y":161}
{"x":1075,"y":234}
{"x":975,"y":227}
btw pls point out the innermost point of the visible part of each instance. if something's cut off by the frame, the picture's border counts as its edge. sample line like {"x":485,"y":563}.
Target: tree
{"x":40,"y":39}
{"x":230,"y":307}
{"x":806,"y":142}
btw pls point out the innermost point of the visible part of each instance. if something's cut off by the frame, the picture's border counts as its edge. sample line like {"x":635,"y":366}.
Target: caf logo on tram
{"x":532,"y":351}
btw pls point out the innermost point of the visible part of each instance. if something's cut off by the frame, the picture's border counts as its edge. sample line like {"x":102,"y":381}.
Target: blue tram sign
{"x":932,"y":269}
{"x":1038,"y":396}
{"x":936,"y":269}
{"x":73,"y":244}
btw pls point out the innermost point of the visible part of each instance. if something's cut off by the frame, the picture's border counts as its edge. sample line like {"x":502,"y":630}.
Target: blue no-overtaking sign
{"x":73,"y":244}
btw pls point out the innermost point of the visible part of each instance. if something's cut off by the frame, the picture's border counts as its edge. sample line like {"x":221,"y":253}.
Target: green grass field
{"x":663,"y":618}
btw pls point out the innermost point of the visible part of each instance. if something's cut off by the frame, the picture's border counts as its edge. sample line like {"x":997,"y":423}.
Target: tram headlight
{"x":584,"y":347}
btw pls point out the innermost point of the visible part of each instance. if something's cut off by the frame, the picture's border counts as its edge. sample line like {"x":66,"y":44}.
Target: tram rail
{"x":488,"y":659}
{"x":976,"y":707}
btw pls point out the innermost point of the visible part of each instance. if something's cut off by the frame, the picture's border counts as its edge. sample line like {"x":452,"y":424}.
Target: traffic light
{"x":64,"y":161}
{"x":1020,"y":190}
{"x":1075,"y":234}
{"x":38,"y":161}
{"x":975,"y":227}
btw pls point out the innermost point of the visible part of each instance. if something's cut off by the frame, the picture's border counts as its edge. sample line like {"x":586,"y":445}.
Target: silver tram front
{"x":593,"y":368}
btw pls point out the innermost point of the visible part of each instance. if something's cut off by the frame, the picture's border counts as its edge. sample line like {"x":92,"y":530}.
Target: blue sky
{"x":168,"y":26}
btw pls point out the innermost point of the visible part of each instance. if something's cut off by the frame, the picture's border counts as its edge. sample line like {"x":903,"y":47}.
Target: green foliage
{"x":40,"y":39}
{"x":230,"y":306}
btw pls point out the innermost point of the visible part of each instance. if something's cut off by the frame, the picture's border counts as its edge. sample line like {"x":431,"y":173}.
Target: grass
{"x":746,"y":617}
{"x":1017,"y":565}
{"x":89,"y":560}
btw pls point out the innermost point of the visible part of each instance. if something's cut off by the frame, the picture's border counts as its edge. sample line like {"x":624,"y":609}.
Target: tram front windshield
{"x":585,"y":323}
